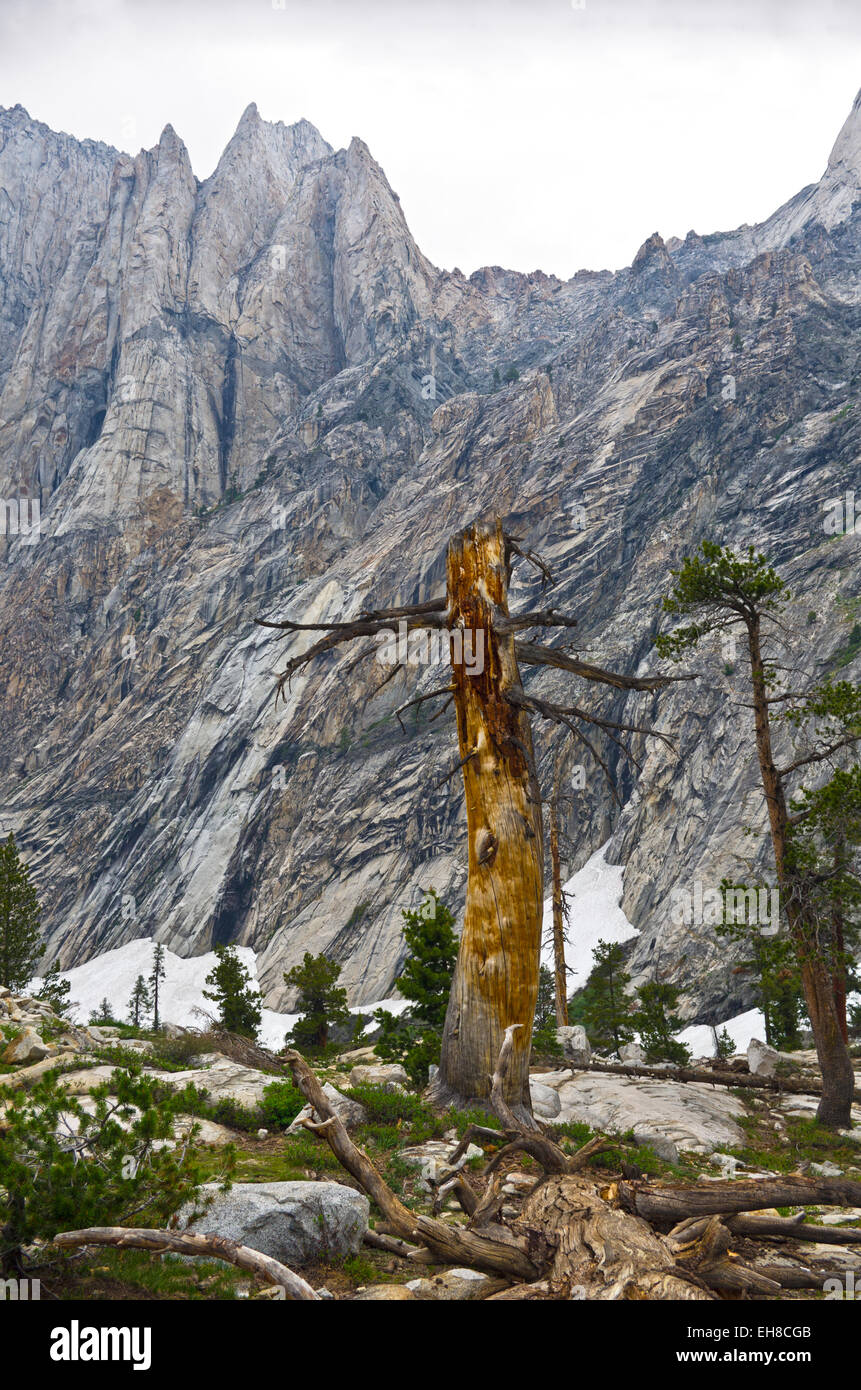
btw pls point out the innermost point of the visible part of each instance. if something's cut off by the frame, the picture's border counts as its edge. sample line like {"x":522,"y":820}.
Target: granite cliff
{"x":254,"y":396}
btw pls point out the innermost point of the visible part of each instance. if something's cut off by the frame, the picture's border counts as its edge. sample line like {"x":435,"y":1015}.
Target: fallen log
{"x":188,"y":1243}
{"x":793,"y":1228}
{"x":671,"y":1202}
{"x":788,"y":1084}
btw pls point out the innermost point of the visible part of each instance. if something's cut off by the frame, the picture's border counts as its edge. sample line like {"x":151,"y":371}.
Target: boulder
{"x":574,"y":1044}
{"x":102,"y":1032}
{"x":27,"y":1047}
{"x":390,"y":1075}
{"x":297,"y":1223}
{"x":432,"y":1158}
{"x":761,"y":1059}
{"x":385,"y":1293}
{"x":695,"y":1116}
{"x":660,"y":1144}
{"x":350,"y":1111}
{"x":360,"y":1054}
{"x":545,"y":1101}
{"x":632,"y":1052}
{"x":458,"y":1285}
{"x":826,"y":1170}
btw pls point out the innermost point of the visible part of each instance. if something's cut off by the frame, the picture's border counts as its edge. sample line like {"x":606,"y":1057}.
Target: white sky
{"x":524,"y":133}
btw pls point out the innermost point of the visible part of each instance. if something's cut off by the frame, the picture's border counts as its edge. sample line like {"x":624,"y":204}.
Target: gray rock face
{"x":294,"y":1222}
{"x":761,"y":1058}
{"x":254,"y":396}
{"x":632,"y":1052}
{"x":387,"y":1074}
{"x":691,"y":1116}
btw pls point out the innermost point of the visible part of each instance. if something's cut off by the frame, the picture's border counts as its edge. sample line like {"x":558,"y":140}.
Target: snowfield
{"x":112,"y":976}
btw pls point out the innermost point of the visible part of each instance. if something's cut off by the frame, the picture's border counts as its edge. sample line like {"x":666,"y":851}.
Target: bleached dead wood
{"x":189,"y":1243}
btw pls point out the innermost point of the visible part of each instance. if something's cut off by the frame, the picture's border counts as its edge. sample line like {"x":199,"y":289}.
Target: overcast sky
{"x":526,"y":133}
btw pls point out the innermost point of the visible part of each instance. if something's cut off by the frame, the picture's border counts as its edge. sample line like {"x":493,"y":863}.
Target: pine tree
{"x":238,"y":1004}
{"x":54,"y":990}
{"x":724,"y":1045}
{"x":773,"y":965}
{"x":656,"y":1023}
{"x":21,"y":946}
{"x":415,"y":1038}
{"x":322,"y":1002}
{"x":432,"y":944}
{"x":139,"y":1003}
{"x":157,"y":974}
{"x":544,"y":1040}
{"x":607,"y":1013}
{"x":104,"y":1013}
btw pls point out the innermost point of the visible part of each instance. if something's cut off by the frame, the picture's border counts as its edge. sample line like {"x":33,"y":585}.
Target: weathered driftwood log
{"x":789,"y":1084}
{"x":188,"y":1243}
{"x":392,"y":1246}
{"x":671,"y":1202}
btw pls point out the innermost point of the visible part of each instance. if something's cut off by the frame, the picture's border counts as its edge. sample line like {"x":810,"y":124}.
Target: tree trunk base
{"x":442,"y":1096}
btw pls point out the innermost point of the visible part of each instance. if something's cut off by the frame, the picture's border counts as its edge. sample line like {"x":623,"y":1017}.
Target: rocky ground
{"x":292,"y":1200}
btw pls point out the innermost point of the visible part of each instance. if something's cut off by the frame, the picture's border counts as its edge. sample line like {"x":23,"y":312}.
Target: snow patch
{"x":594,"y":915}
{"x":112,"y":976}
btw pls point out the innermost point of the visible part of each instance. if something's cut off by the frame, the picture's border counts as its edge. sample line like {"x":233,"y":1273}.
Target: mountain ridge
{"x":254,"y":396}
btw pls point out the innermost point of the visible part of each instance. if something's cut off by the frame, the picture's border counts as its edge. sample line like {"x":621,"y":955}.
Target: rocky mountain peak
{"x":254,"y":396}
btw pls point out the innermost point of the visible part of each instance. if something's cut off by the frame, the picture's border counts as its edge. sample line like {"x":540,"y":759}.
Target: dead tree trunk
{"x":496,"y":978}
{"x":559,"y":972}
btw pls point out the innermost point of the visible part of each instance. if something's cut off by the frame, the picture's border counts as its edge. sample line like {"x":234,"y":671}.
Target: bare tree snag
{"x":190,"y":1243}
{"x":496,"y":977}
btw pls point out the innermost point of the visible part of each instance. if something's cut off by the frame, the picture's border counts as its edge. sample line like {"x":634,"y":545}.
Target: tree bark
{"x":835,"y":1106}
{"x":496,"y":978}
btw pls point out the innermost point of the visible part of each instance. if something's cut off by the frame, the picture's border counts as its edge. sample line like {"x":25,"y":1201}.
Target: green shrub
{"x":281,"y":1103}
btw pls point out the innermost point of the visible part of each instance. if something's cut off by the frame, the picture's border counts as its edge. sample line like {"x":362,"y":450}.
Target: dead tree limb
{"x":501,"y":1253}
{"x":670,"y":1203}
{"x":788,"y":1084}
{"x":209,"y":1246}
{"x":793,"y":1228}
